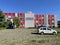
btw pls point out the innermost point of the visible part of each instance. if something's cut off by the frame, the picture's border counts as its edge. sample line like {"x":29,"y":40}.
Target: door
{"x":48,"y":30}
{"x":44,"y":29}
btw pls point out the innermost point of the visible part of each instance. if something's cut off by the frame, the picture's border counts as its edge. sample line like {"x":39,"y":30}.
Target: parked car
{"x":45,"y":30}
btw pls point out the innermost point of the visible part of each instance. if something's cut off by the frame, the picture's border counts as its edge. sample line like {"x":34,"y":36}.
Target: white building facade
{"x":29,"y":19}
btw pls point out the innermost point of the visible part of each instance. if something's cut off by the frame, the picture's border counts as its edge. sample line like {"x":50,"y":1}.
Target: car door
{"x":48,"y":30}
{"x":44,"y":29}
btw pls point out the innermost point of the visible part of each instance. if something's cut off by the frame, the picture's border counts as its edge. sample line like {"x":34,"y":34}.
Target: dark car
{"x":10,"y":27}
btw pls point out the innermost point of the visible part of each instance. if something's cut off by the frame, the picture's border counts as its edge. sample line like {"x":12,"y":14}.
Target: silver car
{"x":46,"y":30}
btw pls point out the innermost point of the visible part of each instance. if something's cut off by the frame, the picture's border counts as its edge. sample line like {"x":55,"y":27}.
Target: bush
{"x":16,"y":21}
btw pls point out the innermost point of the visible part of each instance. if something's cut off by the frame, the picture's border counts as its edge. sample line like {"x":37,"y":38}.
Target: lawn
{"x":25,"y":37}
{"x":2,"y":28}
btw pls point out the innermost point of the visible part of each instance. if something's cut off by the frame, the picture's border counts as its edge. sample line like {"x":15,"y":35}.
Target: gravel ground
{"x":25,"y":37}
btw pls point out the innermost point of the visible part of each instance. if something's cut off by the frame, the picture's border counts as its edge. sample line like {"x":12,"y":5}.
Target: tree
{"x":2,"y":16}
{"x":7,"y":23}
{"x":16,"y":21}
{"x":2,"y":19}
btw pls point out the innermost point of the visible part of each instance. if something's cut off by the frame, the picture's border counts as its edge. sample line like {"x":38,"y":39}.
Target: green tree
{"x":7,"y":23}
{"x":2,"y":19}
{"x":16,"y":21}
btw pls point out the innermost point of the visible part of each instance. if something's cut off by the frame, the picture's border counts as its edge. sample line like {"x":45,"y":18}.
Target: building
{"x":21,"y":17}
{"x":30,"y":19}
{"x":52,"y":21}
{"x":46,"y":20}
{"x":39,"y":19}
{"x":9,"y":16}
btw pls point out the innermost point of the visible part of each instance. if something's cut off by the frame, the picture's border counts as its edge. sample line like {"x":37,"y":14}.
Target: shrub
{"x":16,"y":21}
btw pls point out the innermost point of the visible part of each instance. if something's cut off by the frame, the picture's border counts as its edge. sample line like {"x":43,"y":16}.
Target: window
{"x":29,"y":18}
{"x":49,"y":20}
{"x":42,"y":15}
{"x":53,"y":21}
{"x":42,"y":19}
{"x":39,"y":20}
{"x":40,"y":28}
{"x":44,"y":28}
{"x":48,"y":29}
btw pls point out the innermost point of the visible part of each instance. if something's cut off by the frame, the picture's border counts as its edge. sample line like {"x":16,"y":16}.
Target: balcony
{"x":39,"y":18}
{"x":21,"y":14}
{"x":50,"y":23}
{"x":53,"y":23}
{"x":53,"y":18}
{"x":13,"y":14}
{"x":22,"y":18}
{"x":42,"y":15}
{"x":42,"y":22}
{"x":39,"y":22}
{"x":22,"y":22}
{"x":39,"y":15}
{"x":9,"y":14}
{"x":35,"y":18}
{"x":36,"y":22}
{"x":21,"y":27}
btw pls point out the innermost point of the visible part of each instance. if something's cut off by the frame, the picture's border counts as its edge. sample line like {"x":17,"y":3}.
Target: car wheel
{"x":54,"y":33}
{"x":42,"y":33}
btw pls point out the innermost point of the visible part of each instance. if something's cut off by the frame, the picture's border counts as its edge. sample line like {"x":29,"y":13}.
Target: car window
{"x":44,"y":28}
{"x":48,"y":29}
{"x":40,"y":28}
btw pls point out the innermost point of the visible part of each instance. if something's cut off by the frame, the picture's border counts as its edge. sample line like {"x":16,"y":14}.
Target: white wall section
{"x":29,"y":19}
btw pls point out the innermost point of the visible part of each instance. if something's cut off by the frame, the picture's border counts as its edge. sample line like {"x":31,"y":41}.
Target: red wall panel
{"x":21,"y":22}
{"x":21,"y":14}
{"x":22,"y":18}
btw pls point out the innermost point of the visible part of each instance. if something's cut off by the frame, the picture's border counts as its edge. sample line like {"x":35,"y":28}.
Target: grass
{"x":58,"y":34}
{"x":2,"y":28}
{"x":24,"y":37}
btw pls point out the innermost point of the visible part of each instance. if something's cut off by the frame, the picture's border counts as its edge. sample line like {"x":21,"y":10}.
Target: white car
{"x":46,"y":30}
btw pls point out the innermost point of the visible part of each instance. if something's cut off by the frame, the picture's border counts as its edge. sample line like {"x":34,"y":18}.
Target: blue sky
{"x":36,"y":6}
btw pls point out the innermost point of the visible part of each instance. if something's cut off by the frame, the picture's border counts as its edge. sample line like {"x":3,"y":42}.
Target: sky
{"x":36,"y":6}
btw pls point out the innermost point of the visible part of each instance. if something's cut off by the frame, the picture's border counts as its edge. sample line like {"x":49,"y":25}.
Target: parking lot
{"x":25,"y":37}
